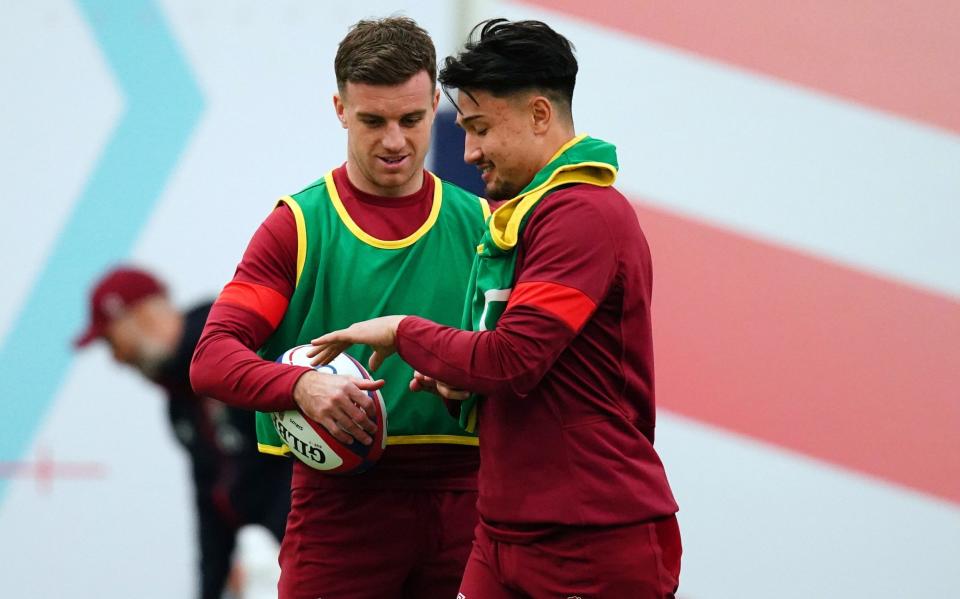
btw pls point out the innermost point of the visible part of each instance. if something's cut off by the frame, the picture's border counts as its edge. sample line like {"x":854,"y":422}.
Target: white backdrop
{"x":757,"y":157}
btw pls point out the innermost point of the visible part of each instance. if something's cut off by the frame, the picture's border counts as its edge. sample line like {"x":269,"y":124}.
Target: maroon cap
{"x":115,"y":293}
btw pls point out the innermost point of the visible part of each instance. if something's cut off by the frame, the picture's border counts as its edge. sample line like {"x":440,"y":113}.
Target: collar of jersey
{"x":505,"y":222}
{"x":386,"y":244}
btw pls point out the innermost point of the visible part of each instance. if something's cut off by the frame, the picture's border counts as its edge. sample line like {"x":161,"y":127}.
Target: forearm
{"x":510,"y":360}
{"x":225,"y":367}
{"x":565,"y":265}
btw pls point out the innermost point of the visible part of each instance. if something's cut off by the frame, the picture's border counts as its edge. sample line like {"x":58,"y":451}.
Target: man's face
{"x":132,"y":343}
{"x":500,"y":141}
{"x":388,"y":132}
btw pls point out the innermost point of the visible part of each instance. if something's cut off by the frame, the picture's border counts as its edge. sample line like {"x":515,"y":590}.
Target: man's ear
{"x":339,"y":108}
{"x":541,"y":113}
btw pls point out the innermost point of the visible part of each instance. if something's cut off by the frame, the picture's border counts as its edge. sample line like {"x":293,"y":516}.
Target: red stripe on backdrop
{"x":899,"y":55}
{"x":806,"y":354}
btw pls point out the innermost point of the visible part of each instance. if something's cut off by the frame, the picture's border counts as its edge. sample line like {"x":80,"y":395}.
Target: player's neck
{"x":362,"y":183}
{"x":555,"y":142}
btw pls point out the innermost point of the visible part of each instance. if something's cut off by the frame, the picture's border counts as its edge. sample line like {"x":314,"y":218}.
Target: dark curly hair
{"x":513,"y":56}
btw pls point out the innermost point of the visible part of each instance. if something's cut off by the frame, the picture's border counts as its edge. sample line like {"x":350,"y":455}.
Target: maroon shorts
{"x":354,"y":544}
{"x":640,"y":561}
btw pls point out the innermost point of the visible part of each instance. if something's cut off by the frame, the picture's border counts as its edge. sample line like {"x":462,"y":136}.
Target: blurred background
{"x":795,"y":166}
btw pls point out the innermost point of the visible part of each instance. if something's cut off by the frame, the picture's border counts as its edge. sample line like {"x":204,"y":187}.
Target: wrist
{"x":299,"y":391}
{"x":398,"y":329}
{"x":398,"y":323}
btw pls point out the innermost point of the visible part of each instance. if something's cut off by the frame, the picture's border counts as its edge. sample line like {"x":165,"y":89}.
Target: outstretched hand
{"x":378,"y":333}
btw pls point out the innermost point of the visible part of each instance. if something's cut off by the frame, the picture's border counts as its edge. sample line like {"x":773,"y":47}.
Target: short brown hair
{"x":385,"y":52}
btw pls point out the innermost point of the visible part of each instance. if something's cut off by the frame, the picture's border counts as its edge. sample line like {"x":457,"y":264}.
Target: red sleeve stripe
{"x":264,"y":301}
{"x":568,"y":304}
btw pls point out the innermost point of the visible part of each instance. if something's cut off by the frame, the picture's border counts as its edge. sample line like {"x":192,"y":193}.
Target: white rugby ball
{"x":313,"y":444}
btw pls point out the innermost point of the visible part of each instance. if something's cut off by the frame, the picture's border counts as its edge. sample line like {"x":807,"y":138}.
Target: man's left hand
{"x":378,"y":333}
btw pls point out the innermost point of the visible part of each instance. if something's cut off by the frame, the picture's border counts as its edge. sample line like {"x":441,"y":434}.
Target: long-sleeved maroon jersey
{"x":248,"y":310}
{"x":567,"y":422}
{"x":251,"y":306}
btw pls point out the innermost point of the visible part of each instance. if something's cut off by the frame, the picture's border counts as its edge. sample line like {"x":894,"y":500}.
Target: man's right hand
{"x":422,"y":382}
{"x":339,"y":403}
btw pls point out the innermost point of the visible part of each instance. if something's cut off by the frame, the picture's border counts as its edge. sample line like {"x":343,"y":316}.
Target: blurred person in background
{"x":234,"y":485}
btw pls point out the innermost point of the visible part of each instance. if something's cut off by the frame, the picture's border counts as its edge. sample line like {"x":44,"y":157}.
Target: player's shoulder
{"x":457,"y":193}
{"x":313,"y":196}
{"x":458,"y":197}
{"x":593,"y":195}
{"x":585,"y":201}
{"x":582,"y":214}
{"x":320,"y":185}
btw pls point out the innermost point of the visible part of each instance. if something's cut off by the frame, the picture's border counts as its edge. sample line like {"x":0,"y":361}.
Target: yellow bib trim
{"x":485,"y":207}
{"x":567,"y":146}
{"x":472,"y":419}
{"x":427,"y":439}
{"x":381,"y":243}
{"x":505,"y":224}
{"x":281,"y":451}
{"x":284,"y":450}
{"x":301,"y":233}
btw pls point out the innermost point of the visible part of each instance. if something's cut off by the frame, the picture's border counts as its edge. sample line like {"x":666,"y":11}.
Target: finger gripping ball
{"x":313,"y":444}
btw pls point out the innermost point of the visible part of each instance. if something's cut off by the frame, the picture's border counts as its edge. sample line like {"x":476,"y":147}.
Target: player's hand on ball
{"x":378,"y":333}
{"x":339,"y":403}
{"x":422,"y":382}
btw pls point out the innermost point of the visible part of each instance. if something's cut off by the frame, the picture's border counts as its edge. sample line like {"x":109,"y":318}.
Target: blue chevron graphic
{"x":162,"y":107}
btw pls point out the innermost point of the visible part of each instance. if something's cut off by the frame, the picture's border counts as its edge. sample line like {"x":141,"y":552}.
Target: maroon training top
{"x":250,"y":307}
{"x":567,"y":423}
